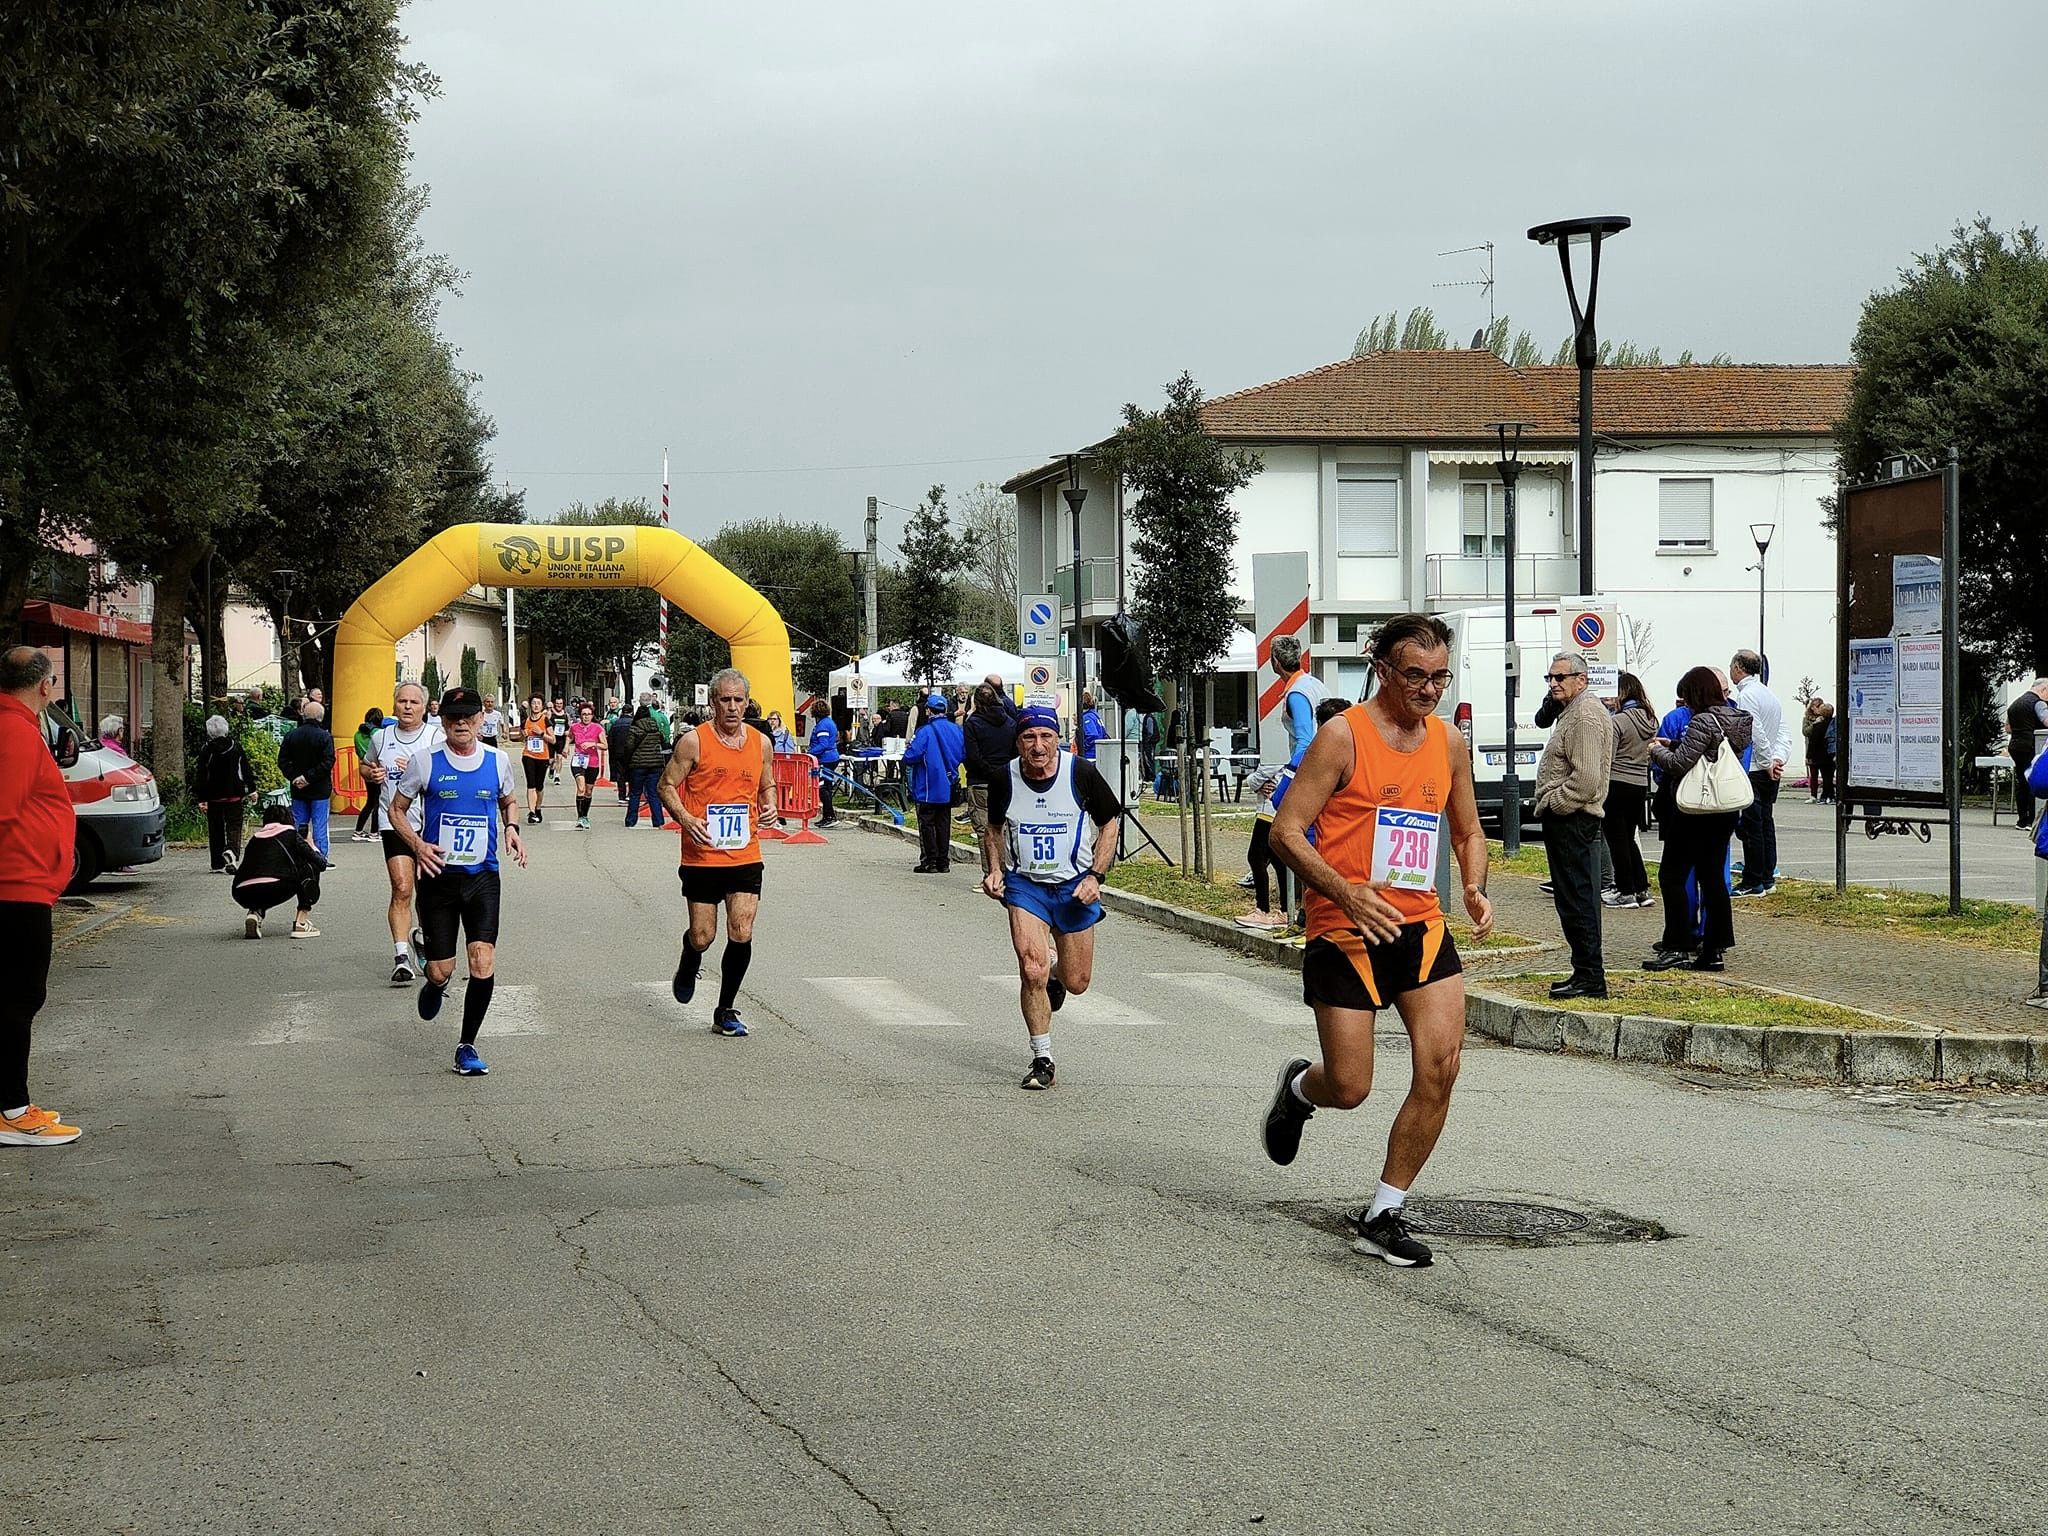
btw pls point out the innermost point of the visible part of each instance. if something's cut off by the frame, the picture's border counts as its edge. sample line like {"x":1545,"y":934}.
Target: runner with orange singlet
{"x":537,"y":750}
{"x":720,"y":787}
{"x":1377,"y":785}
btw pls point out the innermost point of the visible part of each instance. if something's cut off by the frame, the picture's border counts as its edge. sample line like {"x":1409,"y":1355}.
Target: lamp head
{"x":1579,"y":231}
{"x":1762,"y":533}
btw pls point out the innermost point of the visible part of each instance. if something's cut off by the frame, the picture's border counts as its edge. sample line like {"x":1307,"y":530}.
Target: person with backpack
{"x":279,"y":867}
{"x":646,"y":756}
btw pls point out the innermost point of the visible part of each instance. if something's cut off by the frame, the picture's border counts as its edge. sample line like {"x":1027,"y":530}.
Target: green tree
{"x":472,"y":670}
{"x":1420,"y":332}
{"x":933,"y":555}
{"x":1957,"y":355}
{"x":988,"y":521}
{"x":605,"y":629}
{"x":186,"y":182}
{"x":430,"y":678}
{"x":1185,"y":531}
{"x":805,"y":571}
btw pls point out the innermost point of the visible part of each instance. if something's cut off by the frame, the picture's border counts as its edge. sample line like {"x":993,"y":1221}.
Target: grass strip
{"x":1695,"y":999}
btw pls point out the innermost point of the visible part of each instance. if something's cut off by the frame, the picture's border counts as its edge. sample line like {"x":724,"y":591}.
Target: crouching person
{"x":278,"y":868}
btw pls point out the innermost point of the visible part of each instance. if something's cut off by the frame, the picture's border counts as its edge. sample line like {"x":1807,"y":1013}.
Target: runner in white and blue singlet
{"x":1052,"y":821}
{"x":469,"y":802}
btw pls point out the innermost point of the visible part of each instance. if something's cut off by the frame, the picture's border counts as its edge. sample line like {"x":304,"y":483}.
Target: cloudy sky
{"x":822,"y":250}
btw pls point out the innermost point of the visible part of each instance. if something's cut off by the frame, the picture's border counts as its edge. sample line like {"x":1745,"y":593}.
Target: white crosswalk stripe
{"x":1092,"y":1007}
{"x":1239,"y":992}
{"x":885,"y":1002}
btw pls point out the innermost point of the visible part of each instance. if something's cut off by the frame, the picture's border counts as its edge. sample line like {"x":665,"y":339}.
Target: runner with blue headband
{"x":1052,"y":821}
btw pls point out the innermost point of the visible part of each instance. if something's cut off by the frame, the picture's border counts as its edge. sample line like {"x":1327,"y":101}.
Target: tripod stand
{"x":1129,"y":819}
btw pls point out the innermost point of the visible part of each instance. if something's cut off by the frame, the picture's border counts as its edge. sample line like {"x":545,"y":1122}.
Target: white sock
{"x":1384,"y":1199}
{"x":399,"y":948}
{"x":1041,"y":1045}
{"x":15,"y":1114}
{"x":1294,"y":1087}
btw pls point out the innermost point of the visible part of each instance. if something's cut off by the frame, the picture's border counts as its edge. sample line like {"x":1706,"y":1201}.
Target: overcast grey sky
{"x":953,"y":239}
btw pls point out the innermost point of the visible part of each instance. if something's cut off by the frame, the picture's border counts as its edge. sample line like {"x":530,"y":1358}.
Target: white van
{"x":1476,"y":701}
{"x":120,"y":815}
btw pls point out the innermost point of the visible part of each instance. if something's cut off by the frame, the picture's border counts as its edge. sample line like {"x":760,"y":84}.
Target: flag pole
{"x":664,"y":601}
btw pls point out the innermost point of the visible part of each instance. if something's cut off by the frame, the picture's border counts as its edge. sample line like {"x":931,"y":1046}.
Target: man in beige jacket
{"x":1571,"y":787}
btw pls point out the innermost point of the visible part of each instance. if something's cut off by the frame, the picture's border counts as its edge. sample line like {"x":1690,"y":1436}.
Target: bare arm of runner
{"x":424,"y":853}
{"x":1468,"y":840}
{"x":681,"y":759}
{"x":1323,"y":771}
{"x":769,"y":813}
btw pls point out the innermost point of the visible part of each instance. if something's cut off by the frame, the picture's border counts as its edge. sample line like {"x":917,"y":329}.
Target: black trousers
{"x":25,"y":938}
{"x":2021,"y":750}
{"x":1697,"y":846}
{"x":1758,"y":829}
{"x":1262,"y":860}
{"x":1623,"y":815}
{"x":224,"y":831}
{"x":1573,"y":843}
{"x":935,"y":834}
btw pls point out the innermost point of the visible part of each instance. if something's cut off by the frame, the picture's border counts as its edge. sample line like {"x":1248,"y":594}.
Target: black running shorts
{"x":465,"y":899}
{"x":1341,"y":970}
{"x":706,"y":885}
{"x":536,"y":772}
{"x":395,"y":847}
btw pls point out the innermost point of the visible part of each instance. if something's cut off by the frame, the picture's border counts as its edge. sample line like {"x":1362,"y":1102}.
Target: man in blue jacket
{"x":824,"y":746}
{"x":932,"y":760}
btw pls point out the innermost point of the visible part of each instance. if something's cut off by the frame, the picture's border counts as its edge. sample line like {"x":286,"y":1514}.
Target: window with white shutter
{"x":1685,"y":514}
{"x":1368,"y":514}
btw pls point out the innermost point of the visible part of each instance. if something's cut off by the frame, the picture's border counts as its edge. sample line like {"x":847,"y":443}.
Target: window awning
{"x":1491,"y":456}
{"x":78,"y":620}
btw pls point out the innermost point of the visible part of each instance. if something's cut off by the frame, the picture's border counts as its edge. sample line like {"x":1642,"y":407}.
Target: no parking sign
{"x":1040,"y":676}
{"x":1591,"y":632}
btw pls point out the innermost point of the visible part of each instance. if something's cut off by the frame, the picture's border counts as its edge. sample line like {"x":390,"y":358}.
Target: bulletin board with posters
{"x":1896,"y":707}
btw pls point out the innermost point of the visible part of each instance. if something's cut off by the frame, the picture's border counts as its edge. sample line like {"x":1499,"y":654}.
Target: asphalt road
{"x":844,"y":1276}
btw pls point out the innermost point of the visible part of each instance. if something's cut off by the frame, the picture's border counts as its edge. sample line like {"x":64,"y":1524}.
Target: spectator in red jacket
{"x":36,"y":832}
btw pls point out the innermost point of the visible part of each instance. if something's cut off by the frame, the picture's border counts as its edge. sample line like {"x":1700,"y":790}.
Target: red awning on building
{"x":57,"y":616}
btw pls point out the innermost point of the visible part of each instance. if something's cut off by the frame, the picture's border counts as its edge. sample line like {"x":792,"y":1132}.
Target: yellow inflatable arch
{"x":538,"y":555}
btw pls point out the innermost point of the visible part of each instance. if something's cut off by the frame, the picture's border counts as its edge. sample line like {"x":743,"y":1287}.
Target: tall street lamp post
{"x":1564,"y":234}
{"x":1761,"y":532}
{"x":1511,"y":779}
{"x":1076,"y":493}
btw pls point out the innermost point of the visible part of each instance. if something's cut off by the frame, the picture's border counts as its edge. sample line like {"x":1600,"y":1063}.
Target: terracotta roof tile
{"x":1449,"y":397}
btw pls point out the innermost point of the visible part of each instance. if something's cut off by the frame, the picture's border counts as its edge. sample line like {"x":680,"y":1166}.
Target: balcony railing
{"x":1098,"y":581}
{"x":1460,"y":578}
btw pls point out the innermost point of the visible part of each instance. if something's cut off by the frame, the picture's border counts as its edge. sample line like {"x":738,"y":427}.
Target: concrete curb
{"x":1842,"y":1056}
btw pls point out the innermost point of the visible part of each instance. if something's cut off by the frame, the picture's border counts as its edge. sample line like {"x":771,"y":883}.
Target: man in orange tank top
{"x":1381,"y":785}
{"x":720,"y":787}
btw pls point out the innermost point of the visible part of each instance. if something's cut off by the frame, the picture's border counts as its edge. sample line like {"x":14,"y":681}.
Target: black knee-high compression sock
{"x":583,"y":805}
{"x":685,"y":984}
{"x":732,"y":970}
{"x":476,"y":1002}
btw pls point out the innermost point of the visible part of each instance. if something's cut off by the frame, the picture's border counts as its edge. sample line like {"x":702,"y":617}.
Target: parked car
{"x":120,"y":814}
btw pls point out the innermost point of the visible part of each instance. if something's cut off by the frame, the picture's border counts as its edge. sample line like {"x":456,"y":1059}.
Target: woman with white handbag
{"x":1712,"y":789}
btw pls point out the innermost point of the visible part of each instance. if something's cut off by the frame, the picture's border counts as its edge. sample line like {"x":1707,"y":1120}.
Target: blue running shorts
{"x":1054,"y":905}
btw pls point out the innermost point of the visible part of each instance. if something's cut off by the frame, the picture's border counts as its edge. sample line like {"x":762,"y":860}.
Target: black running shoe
{"x":1387,"y":1237}
{"x":1286,"y":1115}
{"x":430,"y":998}
{"x":684,"y":986}
{"x":1040,"y":1075}
{"x":1055,"y":991}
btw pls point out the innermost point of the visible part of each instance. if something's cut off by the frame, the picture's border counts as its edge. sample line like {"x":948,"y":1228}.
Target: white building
{"x":1384,"y":470}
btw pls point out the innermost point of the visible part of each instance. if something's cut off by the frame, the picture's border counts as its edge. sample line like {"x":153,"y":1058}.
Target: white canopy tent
{"x":972,"y":662}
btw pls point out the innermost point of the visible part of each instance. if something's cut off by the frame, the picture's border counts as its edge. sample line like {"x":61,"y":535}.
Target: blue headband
{"x":1038,"y":717}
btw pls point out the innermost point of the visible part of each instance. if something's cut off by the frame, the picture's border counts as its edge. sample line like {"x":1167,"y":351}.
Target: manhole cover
{"x":1515,"y":1223}
{"x":1492,"y":1218}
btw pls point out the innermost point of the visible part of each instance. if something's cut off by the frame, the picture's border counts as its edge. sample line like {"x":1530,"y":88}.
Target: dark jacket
{"x":991,"y":743}
{"x":617,"y":737}
{"x":645,"y":748}
{"x":222,"y":771}
{"x":278,"y":868}
{"x":933,"y":761}
{"x":1705,"y":732}
{"x":308,"y":751}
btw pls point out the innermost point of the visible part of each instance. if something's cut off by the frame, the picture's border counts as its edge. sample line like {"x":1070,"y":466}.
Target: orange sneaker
{"x":35,"y":1127}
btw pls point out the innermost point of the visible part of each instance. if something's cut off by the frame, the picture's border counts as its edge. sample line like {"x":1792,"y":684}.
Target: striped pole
{"x":664,"y":601}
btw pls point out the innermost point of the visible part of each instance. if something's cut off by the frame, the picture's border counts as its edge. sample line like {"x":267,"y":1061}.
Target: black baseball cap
{"x":458,"y":702}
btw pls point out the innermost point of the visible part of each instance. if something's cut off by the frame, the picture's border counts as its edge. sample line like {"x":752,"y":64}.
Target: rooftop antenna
{"x":1484,"y":280}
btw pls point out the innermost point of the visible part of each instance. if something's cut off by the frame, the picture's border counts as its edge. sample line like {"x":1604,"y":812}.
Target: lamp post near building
{"x":1761,"y":532}
{"x":1076,"y":494}
{"x":1564,"y":234}
{"x":1511,"y":780}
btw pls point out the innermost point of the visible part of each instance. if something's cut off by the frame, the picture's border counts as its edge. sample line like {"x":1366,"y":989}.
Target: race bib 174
{"x":731,"y":826}
{"x":1404,"y":848}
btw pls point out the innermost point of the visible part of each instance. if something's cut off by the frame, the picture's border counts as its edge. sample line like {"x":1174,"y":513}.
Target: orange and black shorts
{"x":1341,"y":970}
